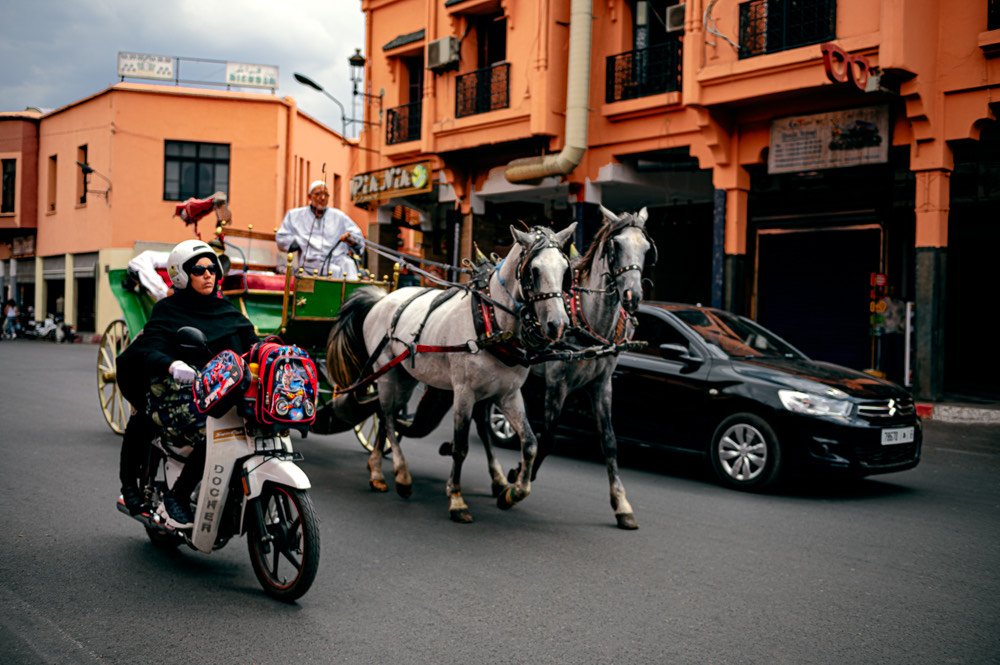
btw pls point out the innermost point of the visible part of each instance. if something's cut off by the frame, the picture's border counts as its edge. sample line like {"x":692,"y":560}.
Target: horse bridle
{"x":609,"y":254}
{"x":532,"y":335}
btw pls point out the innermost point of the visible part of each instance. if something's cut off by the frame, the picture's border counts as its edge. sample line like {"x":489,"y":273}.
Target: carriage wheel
{"x":116,"y":410}
{"x":366,"y":431}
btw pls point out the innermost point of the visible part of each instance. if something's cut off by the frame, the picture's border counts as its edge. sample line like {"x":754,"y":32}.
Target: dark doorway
{"x":813,"y":289}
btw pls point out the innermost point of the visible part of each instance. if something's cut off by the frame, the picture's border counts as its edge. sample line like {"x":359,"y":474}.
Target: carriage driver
{"x":323,"y":236}
{"x":155,"y":374}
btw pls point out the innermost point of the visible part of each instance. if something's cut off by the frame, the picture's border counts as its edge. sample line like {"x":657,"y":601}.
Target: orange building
{"x":150,"y":147}
{"x":791,"y":154}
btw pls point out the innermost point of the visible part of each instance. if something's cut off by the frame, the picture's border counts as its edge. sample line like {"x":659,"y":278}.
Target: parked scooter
{"x":251,"y":485}
{"x":52,"y":328}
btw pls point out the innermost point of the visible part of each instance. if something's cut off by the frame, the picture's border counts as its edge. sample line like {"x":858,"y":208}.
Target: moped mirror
{"x":192,"y":339}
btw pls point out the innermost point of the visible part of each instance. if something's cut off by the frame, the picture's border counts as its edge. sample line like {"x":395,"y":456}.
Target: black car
{"x":720,"y":385}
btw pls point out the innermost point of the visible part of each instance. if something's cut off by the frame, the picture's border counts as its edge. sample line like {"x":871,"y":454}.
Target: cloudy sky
{"x":54,"y":52}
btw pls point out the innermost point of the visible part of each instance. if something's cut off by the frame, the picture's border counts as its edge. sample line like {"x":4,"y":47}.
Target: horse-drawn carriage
{"x":300,"y":308}
{"x":528,"y":300}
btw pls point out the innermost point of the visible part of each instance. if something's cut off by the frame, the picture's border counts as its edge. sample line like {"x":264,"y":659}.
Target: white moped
{"x":251,"y":485}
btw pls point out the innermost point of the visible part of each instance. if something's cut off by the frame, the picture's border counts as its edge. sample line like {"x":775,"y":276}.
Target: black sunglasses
{"x":198,"y":271}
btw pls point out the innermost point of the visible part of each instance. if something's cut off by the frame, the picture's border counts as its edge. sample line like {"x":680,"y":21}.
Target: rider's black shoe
{"x":132,"y":498}
{"x":178,"y":513}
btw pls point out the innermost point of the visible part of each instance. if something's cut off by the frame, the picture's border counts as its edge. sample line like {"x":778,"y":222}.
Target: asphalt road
{"x":901,"y":568}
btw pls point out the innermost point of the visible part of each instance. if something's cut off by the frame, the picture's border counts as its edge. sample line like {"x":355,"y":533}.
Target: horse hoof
{"x":445,"y":449}
{"x":405,"y":491}
{"x":461,"y":515}
{"x":378,"y":485}
{"x":497,"y":490}
{"x":506,"y":499}
{"x":627,"y":521}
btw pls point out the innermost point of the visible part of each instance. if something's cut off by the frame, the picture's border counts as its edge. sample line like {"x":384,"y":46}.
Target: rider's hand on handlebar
{"x":182,"y":372}
{"x":348,"y":238}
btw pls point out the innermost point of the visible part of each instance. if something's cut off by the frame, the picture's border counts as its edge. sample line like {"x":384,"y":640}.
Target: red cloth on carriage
{"x":194,"y":209}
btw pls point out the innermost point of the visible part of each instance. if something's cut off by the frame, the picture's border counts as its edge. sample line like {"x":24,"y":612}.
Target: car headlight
{"x":813,"y":405}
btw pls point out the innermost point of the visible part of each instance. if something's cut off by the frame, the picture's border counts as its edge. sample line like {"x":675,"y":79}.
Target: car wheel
{"x":500,"y":429}
{"x":745,"y":453}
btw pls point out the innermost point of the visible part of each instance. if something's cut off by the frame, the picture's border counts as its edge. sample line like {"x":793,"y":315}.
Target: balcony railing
{"x":403,"y":123}
{"x":993,"y":15}
{"x":769,"y":26}
{"x":483,"y":90}
{"x":643,"y":72}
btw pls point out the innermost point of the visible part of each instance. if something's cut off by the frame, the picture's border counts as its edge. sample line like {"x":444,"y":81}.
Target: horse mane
{"x":342,"y":364}
{"x":593,"y":253}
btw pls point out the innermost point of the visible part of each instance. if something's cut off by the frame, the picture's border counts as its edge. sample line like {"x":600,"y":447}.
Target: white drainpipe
{"x":530,"y":170}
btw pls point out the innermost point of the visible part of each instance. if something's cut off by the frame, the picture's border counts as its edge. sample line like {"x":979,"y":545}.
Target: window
{"x":81,"y":177}
{"x":769,"y":26}
{"x":53,"y":182}
{"x":404,"y":121}
{"x":7,"y":186}
{"x":194,"y":170}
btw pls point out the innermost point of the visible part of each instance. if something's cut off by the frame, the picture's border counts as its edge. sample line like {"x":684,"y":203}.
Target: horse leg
{"x":457,"y":507}
{"x":393,"y":395}
{"x":555,"y":396}
{"x":601,"y":400}
{"x":376,"y":480}
{"x":499,"y":483}
{"x":512,"y":406}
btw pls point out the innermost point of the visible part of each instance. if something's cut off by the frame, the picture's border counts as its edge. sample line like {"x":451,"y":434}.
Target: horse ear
{"x":643,"y":216}
{"x":608,"y":214}
{"x":566,"y":235}
{"x":520,"y":237}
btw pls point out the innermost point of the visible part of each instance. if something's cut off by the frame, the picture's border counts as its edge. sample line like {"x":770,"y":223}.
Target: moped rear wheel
{"x":284,"y":550}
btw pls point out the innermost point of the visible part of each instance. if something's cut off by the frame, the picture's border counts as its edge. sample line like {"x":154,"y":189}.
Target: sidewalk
{"x":960,"y":412}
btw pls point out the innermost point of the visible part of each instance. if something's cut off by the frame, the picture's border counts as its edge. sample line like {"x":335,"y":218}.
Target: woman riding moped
{"x":155,"y":374}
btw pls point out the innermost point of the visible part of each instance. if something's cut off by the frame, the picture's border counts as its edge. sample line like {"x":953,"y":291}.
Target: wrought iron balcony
{"x":993,"y":15}
{"x":486,"y":89}
{"x":403,"y":123}
{"x":644,"y":72}
{"x":769,"y":26}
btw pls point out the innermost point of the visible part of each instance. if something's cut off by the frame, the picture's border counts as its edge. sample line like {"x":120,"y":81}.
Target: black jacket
{"x":150,"y":354}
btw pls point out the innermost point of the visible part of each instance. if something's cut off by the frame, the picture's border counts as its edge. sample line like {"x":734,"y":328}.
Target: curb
{"x":948,"y":413}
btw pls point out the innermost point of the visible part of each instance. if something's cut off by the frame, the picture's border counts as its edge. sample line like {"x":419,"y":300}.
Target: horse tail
{"x":346,"y":352}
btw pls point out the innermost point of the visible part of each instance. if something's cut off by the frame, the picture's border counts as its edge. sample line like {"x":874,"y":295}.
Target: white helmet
{"x":184,"y":252}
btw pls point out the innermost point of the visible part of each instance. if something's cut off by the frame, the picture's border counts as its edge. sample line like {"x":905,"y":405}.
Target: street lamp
{"x":305,"y":80}
{"x":87,"y":170}
{"x":357,"y":63}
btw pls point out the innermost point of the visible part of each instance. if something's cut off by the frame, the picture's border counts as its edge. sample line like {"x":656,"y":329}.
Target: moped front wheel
{"x":284,"y":542}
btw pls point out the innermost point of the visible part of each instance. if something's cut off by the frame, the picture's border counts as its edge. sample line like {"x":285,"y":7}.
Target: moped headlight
{"x":814,"y":405}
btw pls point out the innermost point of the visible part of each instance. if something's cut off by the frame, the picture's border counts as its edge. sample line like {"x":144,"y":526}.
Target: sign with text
{"x":393,"y":181}
{"x":251,"y":76}
{"x":851,"y":137}
{"x":146,"y":66}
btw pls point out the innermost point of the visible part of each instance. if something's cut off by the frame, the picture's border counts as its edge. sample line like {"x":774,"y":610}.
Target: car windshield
{"x":735,"y":336}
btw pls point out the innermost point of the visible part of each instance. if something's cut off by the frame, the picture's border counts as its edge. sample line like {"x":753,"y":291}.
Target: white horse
{"x":445,"y":351}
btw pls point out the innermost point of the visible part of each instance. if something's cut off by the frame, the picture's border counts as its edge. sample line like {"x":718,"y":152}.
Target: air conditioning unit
{"x":442,"y":53}
{"x":675,"y":18}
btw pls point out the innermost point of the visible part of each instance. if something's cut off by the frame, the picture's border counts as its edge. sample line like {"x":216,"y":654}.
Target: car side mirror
{"x":678,"y":353}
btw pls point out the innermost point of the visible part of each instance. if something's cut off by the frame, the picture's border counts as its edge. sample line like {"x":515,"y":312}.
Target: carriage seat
{"x":254,"y":280}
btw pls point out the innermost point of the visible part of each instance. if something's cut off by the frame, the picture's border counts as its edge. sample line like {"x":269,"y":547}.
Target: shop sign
{"x":251,"y":76}
{"x":145,"y":66}
{"x":391,"y":182}
{"x":851,"y":137}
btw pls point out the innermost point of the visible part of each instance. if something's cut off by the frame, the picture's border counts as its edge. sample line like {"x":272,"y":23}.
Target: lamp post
{"x":87,"y":170}
{"x":305,"y":80}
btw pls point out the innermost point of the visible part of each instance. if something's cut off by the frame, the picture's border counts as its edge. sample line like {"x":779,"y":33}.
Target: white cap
{"x":315,"y":184}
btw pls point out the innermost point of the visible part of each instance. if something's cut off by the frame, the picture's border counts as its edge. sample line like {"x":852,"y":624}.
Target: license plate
{"x":891,"y":437}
